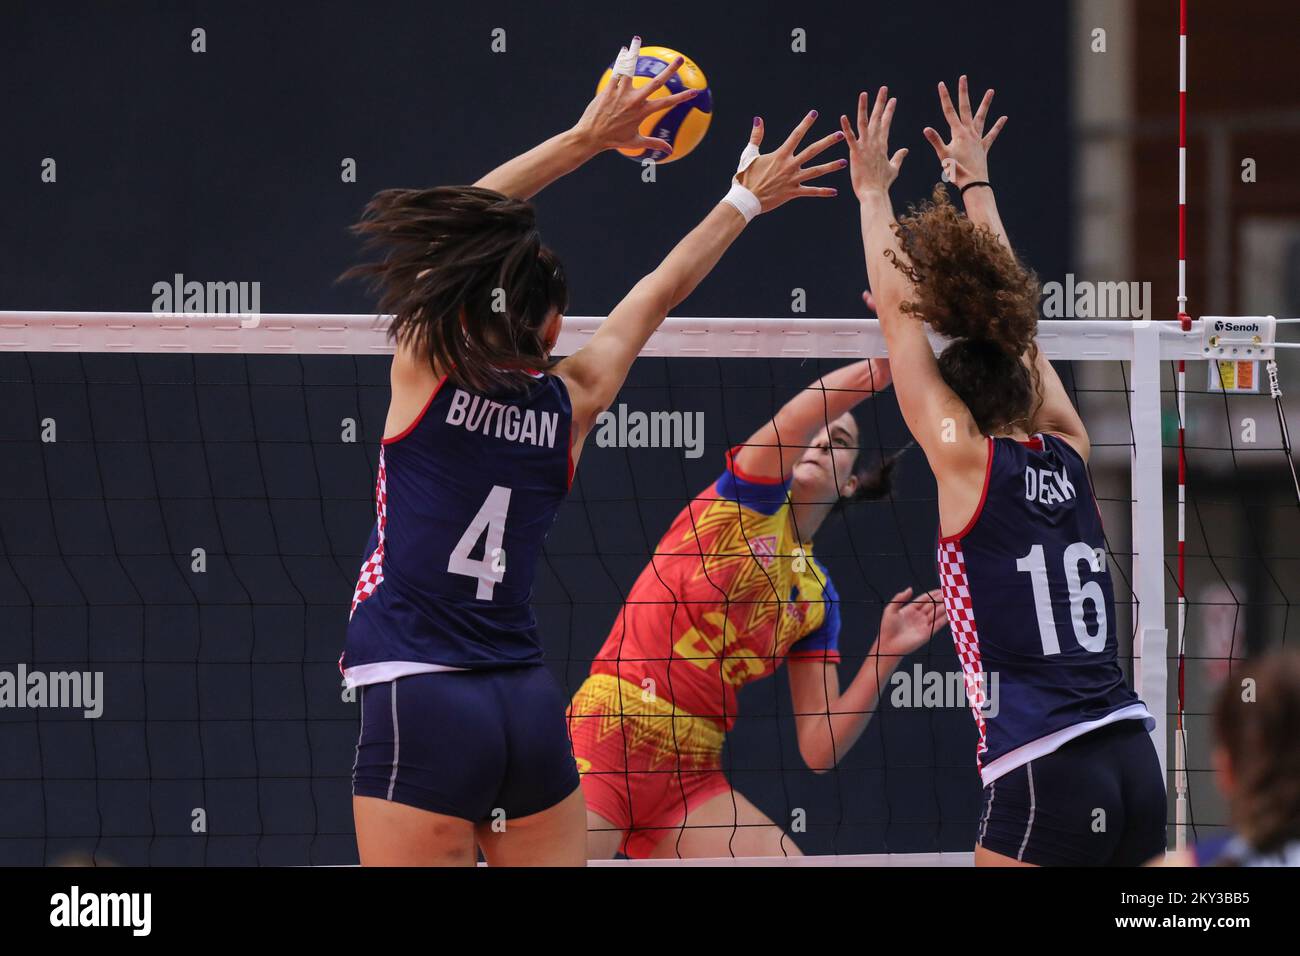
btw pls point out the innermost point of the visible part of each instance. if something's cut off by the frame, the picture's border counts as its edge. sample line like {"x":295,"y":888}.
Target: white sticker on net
{"x":1233,"y":375}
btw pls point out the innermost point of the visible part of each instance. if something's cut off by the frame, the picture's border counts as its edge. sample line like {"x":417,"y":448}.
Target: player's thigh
{"x":540,"y":790}
{"x":417,"y":790}
{"x":986,"y":857}
{"x":1065,"y":808}
{"x":1146,"y":802}
{"x":726,"y":824}
{"x":556,"y":836}
{"x":395,"y":834}
{"x":603,"y":837}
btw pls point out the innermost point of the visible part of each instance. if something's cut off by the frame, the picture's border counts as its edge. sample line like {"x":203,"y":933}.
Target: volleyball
{"x":683,"y":125}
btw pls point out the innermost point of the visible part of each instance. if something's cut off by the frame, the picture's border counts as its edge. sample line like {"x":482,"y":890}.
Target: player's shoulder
{"x":1075,"y":445}
{"x":767,"y":496}
{"x":550,"y":384}
{"x":1007,"y":450}
{"x":819,"y":573}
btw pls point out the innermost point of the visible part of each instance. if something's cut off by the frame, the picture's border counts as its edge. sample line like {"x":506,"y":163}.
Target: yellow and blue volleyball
{"x":683,"y":125}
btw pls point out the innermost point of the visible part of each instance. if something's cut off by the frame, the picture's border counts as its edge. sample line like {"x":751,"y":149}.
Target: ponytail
{"x":464,"y":274}
{"x":875,"y":481}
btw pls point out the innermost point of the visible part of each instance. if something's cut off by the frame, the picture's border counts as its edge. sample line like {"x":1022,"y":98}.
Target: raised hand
{"x":880,"y":375}
{"x":613,"y":118}
{"x":779,"y":176}
{"x":965,"y":157}
{"x":906,"y":626}
{"x":870,"y":165}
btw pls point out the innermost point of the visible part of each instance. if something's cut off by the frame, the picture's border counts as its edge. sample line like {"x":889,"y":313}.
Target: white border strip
{"x":966,"y":858}
{"x":304,"y":334}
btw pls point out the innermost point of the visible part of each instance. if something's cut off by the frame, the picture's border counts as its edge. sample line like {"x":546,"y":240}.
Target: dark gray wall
{"x":221,"y":688}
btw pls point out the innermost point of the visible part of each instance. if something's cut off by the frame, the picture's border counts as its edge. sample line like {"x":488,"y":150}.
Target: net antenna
{"x":1180,"y":392}
{"x":1248,"y":347}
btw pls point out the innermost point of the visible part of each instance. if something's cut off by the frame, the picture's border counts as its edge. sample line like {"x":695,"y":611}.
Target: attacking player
{"x":731,"y":593}
{"x":1069,"y":771}
{"x":463,"y":738}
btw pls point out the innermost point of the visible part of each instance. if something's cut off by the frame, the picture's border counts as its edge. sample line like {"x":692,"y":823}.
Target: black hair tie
{"x":980,"y":182}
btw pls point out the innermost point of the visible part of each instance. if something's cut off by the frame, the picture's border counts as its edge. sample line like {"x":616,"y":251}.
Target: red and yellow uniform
{"x":729,"y":594}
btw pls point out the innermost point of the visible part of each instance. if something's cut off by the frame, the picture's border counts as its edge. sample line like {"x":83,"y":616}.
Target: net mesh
{"x":1243,"y":542}
{"x":190,"y":527}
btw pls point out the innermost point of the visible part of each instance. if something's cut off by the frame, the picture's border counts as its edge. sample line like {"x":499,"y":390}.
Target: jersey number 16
{"x":1035,"y":565}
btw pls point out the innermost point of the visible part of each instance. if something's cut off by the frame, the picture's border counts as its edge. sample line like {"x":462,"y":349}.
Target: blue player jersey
{"x":1032,"y":609}
{"x":463,"y":501}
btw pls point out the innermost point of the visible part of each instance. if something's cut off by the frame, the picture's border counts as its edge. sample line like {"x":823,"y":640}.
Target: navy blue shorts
{"x":1099,"y":800}
{"x":466,"y":743}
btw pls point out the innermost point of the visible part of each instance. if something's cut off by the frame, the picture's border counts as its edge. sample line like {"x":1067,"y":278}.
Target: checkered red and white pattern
{"x":372,"y":571}
{"x":961,"y":621}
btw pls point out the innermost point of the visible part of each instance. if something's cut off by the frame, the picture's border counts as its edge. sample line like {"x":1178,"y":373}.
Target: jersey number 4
{"x":1035,"y":565}
{"x":491,"y":568}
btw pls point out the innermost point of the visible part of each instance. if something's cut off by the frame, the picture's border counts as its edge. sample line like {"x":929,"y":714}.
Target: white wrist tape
{"x":746,"y":202}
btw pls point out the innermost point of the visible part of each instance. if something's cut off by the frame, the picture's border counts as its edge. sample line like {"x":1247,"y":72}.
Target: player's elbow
{"x":816,"y":749}
{"x":819,"y":762}
{"x":660,"y":291}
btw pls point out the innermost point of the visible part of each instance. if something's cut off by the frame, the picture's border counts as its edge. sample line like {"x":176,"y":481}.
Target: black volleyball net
{"x":186,"y":500}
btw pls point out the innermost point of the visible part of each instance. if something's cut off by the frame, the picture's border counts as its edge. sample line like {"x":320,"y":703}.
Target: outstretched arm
{"x":828,"y":722}
{"x":965,"y":159}
{"x":937,"y":418}
{"x":1056,"y":413}
{"x":610,"y":121}
{"x":777,"y":446}
{"x":596,"y":372}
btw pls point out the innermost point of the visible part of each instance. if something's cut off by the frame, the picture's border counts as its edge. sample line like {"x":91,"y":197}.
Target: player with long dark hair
{"x":463,"y":739}
{"x":731,"y":593}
